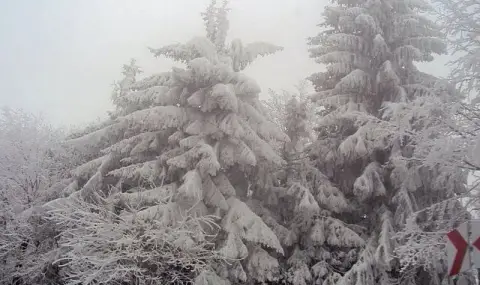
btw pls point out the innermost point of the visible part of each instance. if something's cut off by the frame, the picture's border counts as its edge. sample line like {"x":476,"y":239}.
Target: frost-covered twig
{"x":101,"y":246}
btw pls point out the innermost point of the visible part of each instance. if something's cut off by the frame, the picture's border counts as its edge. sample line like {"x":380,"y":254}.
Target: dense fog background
{"x":61,"y":57}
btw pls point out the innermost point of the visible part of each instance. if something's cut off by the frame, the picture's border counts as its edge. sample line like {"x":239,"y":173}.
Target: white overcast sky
{"x":61,"y":57}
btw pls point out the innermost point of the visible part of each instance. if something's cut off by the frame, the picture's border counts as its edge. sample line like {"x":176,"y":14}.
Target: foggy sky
{"x":61,"y":57}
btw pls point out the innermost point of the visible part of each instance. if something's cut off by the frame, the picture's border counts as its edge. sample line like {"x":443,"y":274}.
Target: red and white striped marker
{"x":457,"y":250}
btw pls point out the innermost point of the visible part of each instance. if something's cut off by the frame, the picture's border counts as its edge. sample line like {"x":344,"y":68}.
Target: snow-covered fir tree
{"x":376,"y":101}
{"x":180,"y":145}
{"x":303,"y":208}
{"x":277,"y":102}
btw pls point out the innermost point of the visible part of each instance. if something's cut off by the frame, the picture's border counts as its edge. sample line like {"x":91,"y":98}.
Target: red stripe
{"x":477,"y":243}
{"x":461,"y":245}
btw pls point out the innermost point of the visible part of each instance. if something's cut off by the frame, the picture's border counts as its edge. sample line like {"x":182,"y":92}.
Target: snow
{"x":192,"y":186}
{"x":87,"y":169}
{"x":231,"y":126}
{"x":168,"y":116}
{"x":140,"y":199}
{"x":225,"y":97}
{"x":354,"y":81}
{"x":245,"y":86}
{"x":368,"y":22}
{"x":154,"y":80}
{"x":370,"y":183}
{"x":212,"y":196}
{"x":384,"y":251}
{"x":306,"y":203}
{"x":224,"y":185}
{"x":132,"y":145}
{"x":331,"y":198}
{"x":347,"y":42}
{"x":317,"y":234}
{"x":262,"y":266}
{"x":244,"y":55}
{"x":241,"y":221}
{"x":194,"y":179}
{"x":340,"y":235}
{"x":157,"y":94}
{"x":209,"y":278}
{"x":145,"y":170}
{"x":99,"y":138}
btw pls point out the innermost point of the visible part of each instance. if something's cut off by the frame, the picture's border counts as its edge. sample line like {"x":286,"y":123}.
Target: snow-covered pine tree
{"x":301,"y":205}
{"x":277,"y":102}
{"x":180,"y":144}
{"x":375,"y":101}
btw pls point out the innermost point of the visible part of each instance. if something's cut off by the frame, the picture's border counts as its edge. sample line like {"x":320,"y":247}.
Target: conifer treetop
{"x":238,"y":55}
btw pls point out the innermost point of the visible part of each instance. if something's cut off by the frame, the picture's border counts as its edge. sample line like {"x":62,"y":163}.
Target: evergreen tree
{"x":181,"y":144}
{"x":375,"y":102}
{"x":277,"y":103}
{"x":302,"y":206}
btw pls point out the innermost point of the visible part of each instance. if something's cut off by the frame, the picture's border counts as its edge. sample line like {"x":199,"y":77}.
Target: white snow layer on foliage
{"x":379,"y":136}
{"x":190,"y":148}
{"x":198,"y":121}
{"x":241,"y":221}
